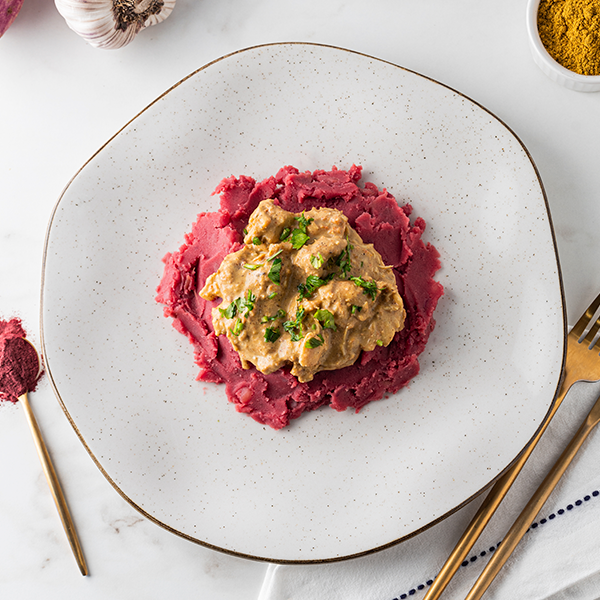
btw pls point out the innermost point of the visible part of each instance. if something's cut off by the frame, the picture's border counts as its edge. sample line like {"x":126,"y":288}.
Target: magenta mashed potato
{"x":277,"y":398}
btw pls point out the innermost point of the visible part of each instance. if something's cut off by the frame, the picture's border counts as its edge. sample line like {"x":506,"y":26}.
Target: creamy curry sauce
{"x":304,"y":292}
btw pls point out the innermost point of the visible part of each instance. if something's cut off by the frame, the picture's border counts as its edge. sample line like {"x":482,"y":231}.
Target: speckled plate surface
{"x":332,"y":485}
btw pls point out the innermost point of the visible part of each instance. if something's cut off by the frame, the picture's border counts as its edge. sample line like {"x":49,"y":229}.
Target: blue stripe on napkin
{"x":483,"y":553}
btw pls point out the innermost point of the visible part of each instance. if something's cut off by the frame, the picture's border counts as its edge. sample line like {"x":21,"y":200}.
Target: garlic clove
{"x":112,"y":24}
{"x":9,"y":9}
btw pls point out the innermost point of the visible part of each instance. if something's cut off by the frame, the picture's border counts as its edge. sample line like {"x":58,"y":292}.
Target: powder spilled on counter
{"x":19,"y":363}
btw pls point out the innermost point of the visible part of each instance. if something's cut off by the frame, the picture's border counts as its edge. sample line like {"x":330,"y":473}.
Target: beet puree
{"x":19,"y":363}
{"x":277,"y":398}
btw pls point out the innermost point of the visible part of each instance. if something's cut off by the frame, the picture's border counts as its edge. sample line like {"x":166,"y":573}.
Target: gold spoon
{"x":53,"y":482}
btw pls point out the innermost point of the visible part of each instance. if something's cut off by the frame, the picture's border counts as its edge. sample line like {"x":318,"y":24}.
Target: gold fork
{"x":582,"y":364}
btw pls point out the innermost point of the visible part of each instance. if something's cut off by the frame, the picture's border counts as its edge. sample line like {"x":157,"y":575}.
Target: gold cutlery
{"x":53,"y":482}
{"x":525,"y":519}
{"x":582,"y":364}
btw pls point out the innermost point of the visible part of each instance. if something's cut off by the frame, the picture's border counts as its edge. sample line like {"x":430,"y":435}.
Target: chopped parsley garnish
{"x":272,"y":334}
{"x":317,"y":261}
{"x":355,"y":309}
{"x":251,"y":267}
{"x":304,"y":222}
{"x":245,"y":305}
{"x":240,"y":306}
{"x":238,"y":327}
{"x":379,"y":342}
{"x":306,"y":290}
{"x":369,"y":287}
{"x":285,"y":234}
{"x":294,"y":328}
{"x":256,"y":241}
{"x":325,"y":318}
{"x":299,"y":238}
{"x":230,"y":311}
{"x":314,"y":342}
{"x":272,"y":295}
{"x":275,"y":255}
{"x":275,"y":271}
{"x":245,"y":231}
{"x":278,"y":315}
{"x":343,"y":260}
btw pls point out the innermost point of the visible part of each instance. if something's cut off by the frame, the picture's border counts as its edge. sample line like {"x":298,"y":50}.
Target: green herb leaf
{"x":251,"y":267}
{"x":379,"y":342}
{"x":303,"y":222}
{"x":245,"y":305}
{"x":272,"y":295}
{"x":296,"y":336}
{"x":245,"y":231}
{"x":271,"y":258}
{"x":306,"y":290}
{"x":278,"y":315}
{"x":314,"y":342}
{"x":230,"y":311}
{"x":256,"y":241}
{"x":325,"y":318}
{"x":238,"y":327}
{"x":355,"y":309}
{"x":317,"y":261}
{"x":271,"y":334}
{"x":343,"y":260}
{"x":294,"y":328}
{"x":275,"y":271}
{"x":285,"y":234}
{"x":299,"y":238}
{"x":369,"y":287}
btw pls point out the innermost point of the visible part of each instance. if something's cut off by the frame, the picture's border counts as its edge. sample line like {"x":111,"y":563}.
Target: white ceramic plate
{"x":332,"y":485}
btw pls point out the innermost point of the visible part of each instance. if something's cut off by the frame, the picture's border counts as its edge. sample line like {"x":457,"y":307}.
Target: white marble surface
{"x":61,"y":99}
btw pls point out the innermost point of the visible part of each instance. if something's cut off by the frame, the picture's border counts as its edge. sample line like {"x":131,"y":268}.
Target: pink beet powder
{"x":19,"y":363}
{"x":277,"y":398}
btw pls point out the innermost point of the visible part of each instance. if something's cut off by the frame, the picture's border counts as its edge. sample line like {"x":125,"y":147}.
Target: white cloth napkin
{"x":558,"y":559}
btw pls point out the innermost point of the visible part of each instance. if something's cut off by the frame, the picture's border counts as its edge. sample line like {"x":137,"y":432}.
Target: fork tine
{"x":590,"y":338}
{"x":586,"y":317}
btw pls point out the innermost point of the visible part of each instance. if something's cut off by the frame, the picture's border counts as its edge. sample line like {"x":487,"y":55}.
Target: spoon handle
{"x":55,"y":487}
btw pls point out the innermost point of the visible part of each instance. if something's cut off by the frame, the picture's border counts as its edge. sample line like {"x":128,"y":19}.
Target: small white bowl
{"x":556,"y":72}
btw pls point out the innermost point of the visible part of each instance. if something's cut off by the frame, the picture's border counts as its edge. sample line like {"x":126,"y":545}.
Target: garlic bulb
{"x":112,"y":23}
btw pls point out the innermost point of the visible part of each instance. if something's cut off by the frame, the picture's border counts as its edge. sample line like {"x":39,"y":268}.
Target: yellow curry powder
{"x":570,"y":31}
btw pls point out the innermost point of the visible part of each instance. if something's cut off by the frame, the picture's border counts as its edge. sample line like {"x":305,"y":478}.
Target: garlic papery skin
{"x":112,"y":24}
